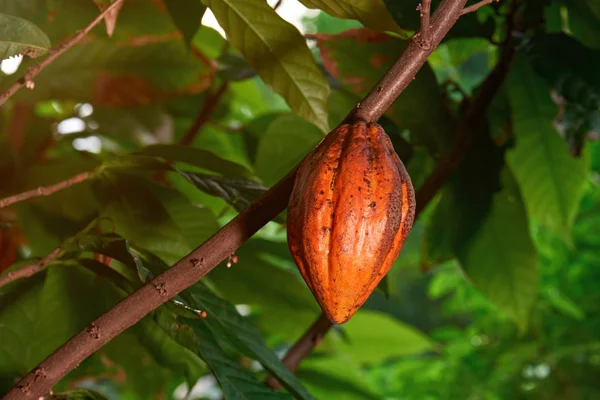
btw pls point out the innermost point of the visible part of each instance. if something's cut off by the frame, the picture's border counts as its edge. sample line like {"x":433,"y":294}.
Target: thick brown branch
{"x":211,"y":102}
{"x":28,"y":270}
{"x":199,"y":262}
{"x":27,"y":79}
{"x":44,"y":190}
{"x":476,"y":6}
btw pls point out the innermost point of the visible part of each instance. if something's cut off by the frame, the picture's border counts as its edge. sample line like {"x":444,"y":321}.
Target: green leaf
{"x":237,"y":192}
{"x":584,"y":21}
{"x":139,"y":216}
{"x":186,"y":15}
{"x":550,"y":179}
{"x":287,"y":140}
{"x":335,"y":378}
{"x":371,"y":13}
{"x":226,"y":323}
{"x":120,"y":75}
{"x":268,"y":265}
{"x":41,"y":313}
{"x":358,"y":58}
{"x":364,"y":342}
{"x":573,"y":75}
{"x":168,"y":352}
{"x":277,"y":51}
{"x":563,"y":303}
{"x":500,"y":259}
{"x":465,"y":202}
{"x":200,"y":158}
{"x":19,"y":36}
{"x":236,"y":381}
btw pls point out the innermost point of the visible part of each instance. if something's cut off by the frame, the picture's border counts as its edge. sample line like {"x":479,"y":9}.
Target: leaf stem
{"x":29,"y":270}
{"x":45,"y":190}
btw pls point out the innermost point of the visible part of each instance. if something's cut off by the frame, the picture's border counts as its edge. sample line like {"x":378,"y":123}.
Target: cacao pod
{"x":351,"y":209}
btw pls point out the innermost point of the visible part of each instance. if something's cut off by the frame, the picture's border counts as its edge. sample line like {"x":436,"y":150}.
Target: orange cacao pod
{"x":351,"y":209}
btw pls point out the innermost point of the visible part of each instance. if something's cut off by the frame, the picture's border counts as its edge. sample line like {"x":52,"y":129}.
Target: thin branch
{"x":404,"y":70}
{"x":203,"y":259}
{"x":277,"y":5}
{"x":45,"y":190}
{"x":424,"y":32}
{"x":27,"y":79}
{"x":476,"y":6}
{"x":28,"y":270}
{"x":469,"y":126}
{"x":211,"y":102}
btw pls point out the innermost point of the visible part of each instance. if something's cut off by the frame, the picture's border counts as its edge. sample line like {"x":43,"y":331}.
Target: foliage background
{"x":494,"y":295}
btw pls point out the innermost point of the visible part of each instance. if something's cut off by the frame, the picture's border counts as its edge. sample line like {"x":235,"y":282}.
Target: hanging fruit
{"x":351,"y":209}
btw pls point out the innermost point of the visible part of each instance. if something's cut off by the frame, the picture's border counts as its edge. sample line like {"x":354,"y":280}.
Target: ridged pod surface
{"x":351,"y":209}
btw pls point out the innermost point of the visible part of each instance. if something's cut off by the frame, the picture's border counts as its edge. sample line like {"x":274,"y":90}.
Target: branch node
{"x":161,"y":289}
{"x":94,"y":331}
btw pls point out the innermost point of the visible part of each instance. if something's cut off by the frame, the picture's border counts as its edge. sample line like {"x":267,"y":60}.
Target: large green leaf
{"x":278,"y":53}
{"x":550,"y":179}
{"x":19,"y":36}
{"x":371,"y":13}
{"x":186,"y":15}
{"x":237,"y":382}
{"x":120,"y":75}
{"x":283,"y":301}
{"x":584,"y":21}
{"x":225,"y":323}
{"x":200,"y":158}
{"x":287,"y":140}
{"x":500,"y":260}
{"x":237,"y":192}
{"x":39,"y":314}
{"x":573,"y":75}
{"x":364,"y":342}
{"x":358,"y":58}
{"x":167,"y":351}
{"x":464,"y":203}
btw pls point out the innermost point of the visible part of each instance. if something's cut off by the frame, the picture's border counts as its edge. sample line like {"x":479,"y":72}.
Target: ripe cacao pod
{"x":351,"y":209}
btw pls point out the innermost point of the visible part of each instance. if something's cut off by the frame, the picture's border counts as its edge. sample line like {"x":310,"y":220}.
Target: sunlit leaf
{"x":278,"y":53}
{"x":19,"y":36}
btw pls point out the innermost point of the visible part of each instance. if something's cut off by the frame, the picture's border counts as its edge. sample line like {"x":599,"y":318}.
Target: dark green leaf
{"x":225,"y":323}
{"x":277,"y":51}
{"x":287,"y":140}
{"x":550,"y":179}
{"x":237,"y":192}
{"x":200,"y":158}
{"x":236,"y":381}
{"x":500,"y":259}
{"x":186,"y":15}
{"x":19,"y":36}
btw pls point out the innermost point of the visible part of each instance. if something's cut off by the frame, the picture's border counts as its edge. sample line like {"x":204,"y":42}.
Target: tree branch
{"x":27,"y":79}
{"x":476,"y":6}
{"x":424,"y":33}
{"x":45,"y":190}
{"x":404,"y":70}
{"x":28,"y":270}
{"x":211,"y":102}
{"x":469,"y":125}
{"x":200,"y":261}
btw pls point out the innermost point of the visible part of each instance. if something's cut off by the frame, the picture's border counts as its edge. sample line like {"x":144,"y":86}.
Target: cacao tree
{"x":149,"y":149}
